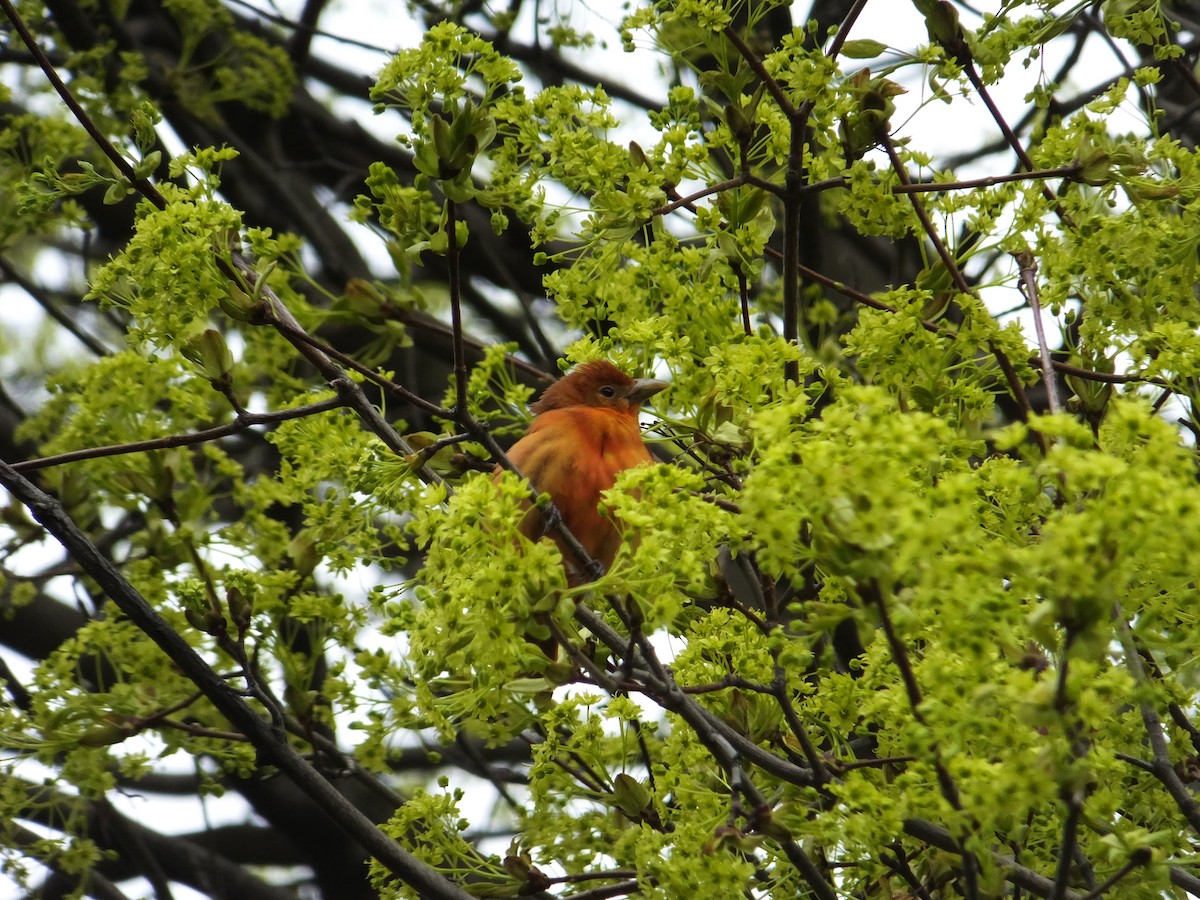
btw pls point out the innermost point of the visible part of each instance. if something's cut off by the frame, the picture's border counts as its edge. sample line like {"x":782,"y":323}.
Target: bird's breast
{"x":576,"y":453}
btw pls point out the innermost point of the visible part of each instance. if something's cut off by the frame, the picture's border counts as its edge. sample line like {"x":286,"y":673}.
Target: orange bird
{"x":585,"y":430}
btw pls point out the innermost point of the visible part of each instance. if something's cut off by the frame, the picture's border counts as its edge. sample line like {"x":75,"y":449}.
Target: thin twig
{"x":1137,"y":860}
{"x":1106,"y":377}
{"x":720,"y":187}
{"x":938,"y":187}
{"x":619,"y":889}
{"x":592,"y":876}
{"x":294,"y":332}
{"x":729,"y":682}
{"x":143,"y":185}
{"x":47,"y":303}
{"x":900,"y":866}
{"x":1161,"y":767}
{"x":960,"y":282}
{"x":1009,"y":135}
{"x":797,"y":727}
{"x":273,"y":747}
{"x":873,"y":594}
{"x":773,"y":87}
{"x":670,"y":695}
{"x":456,"y":324}
{"x":1029,"y":288}
{"x":849,"y":765}
{"x":201,"y":732}
{"x":843,"y":32}
{"x":243,"y":421}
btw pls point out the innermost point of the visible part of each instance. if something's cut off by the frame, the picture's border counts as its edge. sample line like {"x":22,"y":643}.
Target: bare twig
{"x":292,"y":330}
{"x":1010,"y":136}
{"x":898,"y":863}
{"x":272,"y":745}
{"x":1161,"y":766}
{"x":456,"y":325}
{"x":873,"y":594}
{"x":960,"y":283}
{"x":737,"y":181}
{"x":774,"y":88}
{"x":1029,"y":288}
{"x":779,"y":688}
{"x":843,"y":32}
{"x":620,"y":889}
{"x":243,"y":421}
{"x":966,"y":184}
{"x":47,"y":303}
{"x":143,"y":185}
{"x":729,"y":682}
{"x":1137,"y":860}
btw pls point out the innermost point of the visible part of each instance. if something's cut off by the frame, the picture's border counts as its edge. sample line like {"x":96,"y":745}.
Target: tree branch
{"x":271,"y":744}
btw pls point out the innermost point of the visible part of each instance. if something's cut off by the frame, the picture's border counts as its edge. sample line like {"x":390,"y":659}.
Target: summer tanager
{"x":585,"y":430}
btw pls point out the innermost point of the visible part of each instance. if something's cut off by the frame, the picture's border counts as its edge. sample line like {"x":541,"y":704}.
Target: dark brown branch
{"x":967,"y":184}
{"x":272,"y":745}
{"x":621,"y":889}
{"x":727,"y":683}
{"x":1009,"y":135}
{"x":144,"y":186}
{"x":1161,"y":766}
{"x":1029,"y":288}
{"x":243,"y":421}
{"x":872,"y":593}
{"x":843,"y":32}
{"x":898,"y":863}
{"x":294,"y":332}
{"x":1137,"y":860}
{"x":48,"y":304}
{"x":773,"y":87}
{"x":797,"y":727}
{"x":456,"y":324}
{"x":671,"y":696}
{"x":960,"y":282}
{"x":1016,"y":874}
{"x":688,"y":201}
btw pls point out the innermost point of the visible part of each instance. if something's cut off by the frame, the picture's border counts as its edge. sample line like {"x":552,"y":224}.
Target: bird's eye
{"x":608,"y":391}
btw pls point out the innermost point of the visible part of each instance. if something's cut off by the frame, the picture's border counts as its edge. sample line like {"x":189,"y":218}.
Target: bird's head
{"x":600,"y":385}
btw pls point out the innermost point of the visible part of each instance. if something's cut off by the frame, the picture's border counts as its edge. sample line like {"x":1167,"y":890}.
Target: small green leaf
{"x":117,"y":191}
{"x":632,"y":796}
{"x":863,"y":49}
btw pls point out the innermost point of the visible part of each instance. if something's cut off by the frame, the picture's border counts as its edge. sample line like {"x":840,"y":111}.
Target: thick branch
{"x":273,"y":745}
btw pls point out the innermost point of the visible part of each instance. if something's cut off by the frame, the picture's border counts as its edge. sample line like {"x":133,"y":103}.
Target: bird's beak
{"x":643,"y":389}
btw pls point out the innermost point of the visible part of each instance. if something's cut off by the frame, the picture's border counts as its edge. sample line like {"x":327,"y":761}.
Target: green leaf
{"x":863,"y":49}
